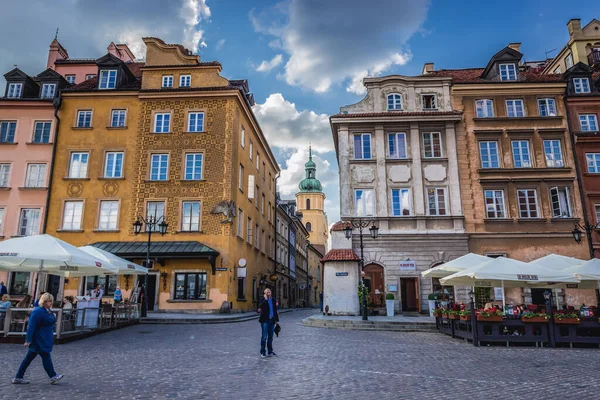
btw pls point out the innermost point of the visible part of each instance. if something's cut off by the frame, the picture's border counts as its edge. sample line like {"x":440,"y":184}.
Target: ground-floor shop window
{"x":190,"y":286}
{"x":241,"y":294}
{"x":19,"y":283}
{"x":443,"y":293}
{"x":108,"y":283}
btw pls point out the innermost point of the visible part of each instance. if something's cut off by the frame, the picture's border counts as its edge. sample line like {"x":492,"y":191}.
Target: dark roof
{"x":396,"y":114}
{"x":191,"y":89}
{"x":340,"y":255}
{"x":183,"y":249}
{"x":473,"y":75}
{"x":200,"y":64}
{"x":76,"y":61}
{"x":92,"y":84}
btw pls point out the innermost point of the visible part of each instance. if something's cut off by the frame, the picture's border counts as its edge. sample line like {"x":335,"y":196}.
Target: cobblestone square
{"x":222,"y":361}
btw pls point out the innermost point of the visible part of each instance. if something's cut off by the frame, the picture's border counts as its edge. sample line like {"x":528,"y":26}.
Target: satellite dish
{"x":242,"y":262}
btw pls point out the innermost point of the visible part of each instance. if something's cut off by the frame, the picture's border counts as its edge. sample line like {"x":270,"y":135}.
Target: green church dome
{"x":310,"y":183}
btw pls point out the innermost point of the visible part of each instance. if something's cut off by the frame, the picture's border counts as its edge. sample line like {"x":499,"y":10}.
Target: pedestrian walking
{"x":268,"y":318}
{"x":39,"y":340}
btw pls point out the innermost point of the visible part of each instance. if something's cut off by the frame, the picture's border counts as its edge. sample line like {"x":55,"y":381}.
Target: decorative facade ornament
{"x":228,"y":209}
{"x":110,"y":189}
{"x":75,"y":189}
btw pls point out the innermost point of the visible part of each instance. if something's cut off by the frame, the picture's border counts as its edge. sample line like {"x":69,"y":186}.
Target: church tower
{"x":311,"y":202}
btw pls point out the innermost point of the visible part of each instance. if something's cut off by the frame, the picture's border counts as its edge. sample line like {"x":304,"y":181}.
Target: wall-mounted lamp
{"x":164,"y":276}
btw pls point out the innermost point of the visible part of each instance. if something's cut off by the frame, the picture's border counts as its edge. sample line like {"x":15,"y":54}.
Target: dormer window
{"x":508,"y":72}
{"x":582,"y":85}
{"x":167,"y":81}
{"x":48,"y":91}
{"x":394,"y":102}
{"x":429,"y":101}
{"x":14,"y":90}
{"x":108,"y":79}
{"x":70,"y":79}
{"x":185,"y":80}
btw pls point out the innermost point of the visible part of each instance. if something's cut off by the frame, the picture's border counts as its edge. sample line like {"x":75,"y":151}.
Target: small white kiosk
{"x":89,"y":318}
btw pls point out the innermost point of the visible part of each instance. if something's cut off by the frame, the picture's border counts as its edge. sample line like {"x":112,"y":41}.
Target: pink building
{"x":27,"y":135}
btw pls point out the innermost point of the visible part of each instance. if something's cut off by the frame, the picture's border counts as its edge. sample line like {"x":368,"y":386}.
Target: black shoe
{"x":272,"y":354}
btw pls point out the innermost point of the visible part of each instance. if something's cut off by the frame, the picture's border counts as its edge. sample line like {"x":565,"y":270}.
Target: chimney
{"x":515,"y":46}
{"x":56,"y":52}
{"x":427,"y":68}
{"x":574,"y":26}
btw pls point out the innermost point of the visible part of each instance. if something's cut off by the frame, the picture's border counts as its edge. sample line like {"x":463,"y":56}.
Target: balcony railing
{"x":594,"y":58}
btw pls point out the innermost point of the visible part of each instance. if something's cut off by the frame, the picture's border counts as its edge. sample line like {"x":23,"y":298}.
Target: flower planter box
{"x":445,"y":316}
{"x":493,"y":318}
{"x":465,"y":317}
{"x":567,"y":321}
{"x":452,"y":316}
{"x":535,"y":319}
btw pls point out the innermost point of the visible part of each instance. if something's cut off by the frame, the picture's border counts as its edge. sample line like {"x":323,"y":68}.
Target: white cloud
{"x":267,"y":66}
{"x":220,"y":44}
{"x":286,"y":127}
{"x":340,"y":41}
{"x":193,"y":12}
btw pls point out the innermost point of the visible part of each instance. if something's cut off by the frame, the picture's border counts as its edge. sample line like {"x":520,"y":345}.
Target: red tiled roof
{"x":396,"y":114}
{"x":340,"y":255}
{"x":91,"y":84}
{"x":340,"y":226}
{"x":472,"y":75}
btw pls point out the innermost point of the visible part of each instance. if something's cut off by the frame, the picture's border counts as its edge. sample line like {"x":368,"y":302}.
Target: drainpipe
{"x":278,"y":296}
{"x":580,"y":181}
{"x":56,"y":103}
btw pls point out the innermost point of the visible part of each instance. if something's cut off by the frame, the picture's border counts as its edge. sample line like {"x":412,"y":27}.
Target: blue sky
{"x":303,"y":58}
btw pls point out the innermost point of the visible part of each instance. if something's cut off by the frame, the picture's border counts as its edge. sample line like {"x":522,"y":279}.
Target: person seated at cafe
{"x":5,"y":304}
{"x":118,"y":296}
{"x":97,"y":293}
{"x":68,"y":303}
{"x":25,"y":302}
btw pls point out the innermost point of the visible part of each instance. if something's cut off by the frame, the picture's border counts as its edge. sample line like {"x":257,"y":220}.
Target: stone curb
{"x":371,"y":325}
{"x":174,"y":321}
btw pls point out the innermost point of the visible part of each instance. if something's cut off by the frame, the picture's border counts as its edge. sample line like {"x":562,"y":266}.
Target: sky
{"x":304,"y":59}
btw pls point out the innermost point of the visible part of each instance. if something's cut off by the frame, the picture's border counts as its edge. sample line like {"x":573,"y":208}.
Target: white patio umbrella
{"x":556,"y":261}
{"x":456,"y":265}
{"x":125,"y":267}
{"x":588,"y":271}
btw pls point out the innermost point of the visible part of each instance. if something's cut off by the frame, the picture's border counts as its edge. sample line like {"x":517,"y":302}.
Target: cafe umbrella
{"x":124,"y":266}
{"x":456,"y":265}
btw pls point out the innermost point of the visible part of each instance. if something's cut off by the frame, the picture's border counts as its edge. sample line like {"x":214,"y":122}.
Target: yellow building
{"x":315,"y":273}
{"x":583,"y":46}
{"x":190,"y":151}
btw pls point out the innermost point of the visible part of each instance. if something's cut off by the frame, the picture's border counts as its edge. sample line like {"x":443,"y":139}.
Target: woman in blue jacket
{"x":39,"y":340}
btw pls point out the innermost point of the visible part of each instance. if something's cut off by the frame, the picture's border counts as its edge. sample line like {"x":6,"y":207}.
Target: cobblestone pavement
{"x":222,"y":362}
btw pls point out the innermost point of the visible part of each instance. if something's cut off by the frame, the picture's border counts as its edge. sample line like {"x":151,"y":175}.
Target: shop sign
{"x":572,"y":285}
{"x":222,"y":269}
{"x":408,"y":265}
{"x":341,"y":274}
{"x":483,"y":284}
{"x":392,"y":288}
{"x":498,"y":293}
{"x":527,"y":277}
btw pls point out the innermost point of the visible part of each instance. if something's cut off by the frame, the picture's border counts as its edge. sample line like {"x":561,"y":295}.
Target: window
{"x":251,"y":147}
{"x":256,"y":189}
{"x":588,"y":122}
{"x":256,"y":237}
{"x":582,"y":85}
{"x":158,"y":167}
{"x":190,"y":286}
{"x":241,"y":289}
{"x":257,"y":162}
{"x":14,"y":90}
{"x":108,"y":79}
{"x":561,"y":203}
{"x":394,"y":102}
{"x":514,"y":108}
{"x":553,"y":153}
{"x":167,"y":81}
{"x":155,"y":210}
{"x":249,"y":230}
{"x":593,"y":162}
{"x":29,"y":222}
{"x":4,"y":174}
{"x":84,"y":119}
{"x":109,"y":215}
{"x":489,"y":154}
{"x":494,"y":204}
{"x":521,"y":156}
{"x":241,"y":178}
{"x":108,"y":283}
{"x":436,"y":199}
{"x":118,"y":118}
{"x":48,"y":91}
{"x":308,"y":204}
{"x":527,"y":199}
{"x":362,"y":146}
{"x":90,"y":76}
{"x":432,"y":145}
{"x":569,"y":60}
{"x":19,"y":284}
{"x":597,"y":208}
{"x":508,"y":72}
{"x":557,"y":70}
{"x":193,"y":166}
{"x":484,"y":108}
{"x":185,"y":80}
{"x":113,"y":166}
{"x":240,"y":223}
{"x":400,"y":202}
{"x":1,"y":220}
{"x":309,"y":226}
{"x":546,"y":107}
{"x":262,"y":241}
{"x":190,"y":219}
{"x":70,"y":79}
{"x":36,"y":175}
{"x":397,"y":145}
{"x":243,"y":137}
{"x":429,"y":101}
{"x":72,"y":214}
{"x":79,"y":165}
{"x":41,"y":133}
{"x":195,"y":122}
{"x":269,"y":212}
{"x":162,"y":123}
{"x":262,"y":204}
{"x":7,"y":132}
{"x":364,"y":202}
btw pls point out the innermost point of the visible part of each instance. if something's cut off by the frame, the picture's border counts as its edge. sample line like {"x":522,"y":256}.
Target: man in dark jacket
{"x":268,"y":318}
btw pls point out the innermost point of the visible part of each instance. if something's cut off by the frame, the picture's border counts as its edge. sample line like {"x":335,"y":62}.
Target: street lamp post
{"x":588,"y":229}
{"x":151,"y":223}
{"x":360,"y":225}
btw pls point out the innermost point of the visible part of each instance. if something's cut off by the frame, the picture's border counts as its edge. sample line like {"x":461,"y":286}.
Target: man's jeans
{"x":46,"y":362}
{"x":267,"y":336}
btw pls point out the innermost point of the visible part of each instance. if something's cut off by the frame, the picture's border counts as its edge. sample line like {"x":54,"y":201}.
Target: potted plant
{"x":567,"y":318}
{"x":491,"y":315}
{"x":431,"y":300}
{"x":453,"y":314}
{"x":464,"y":315}
{"x":532,"y":317}
{"x":389,"y":304}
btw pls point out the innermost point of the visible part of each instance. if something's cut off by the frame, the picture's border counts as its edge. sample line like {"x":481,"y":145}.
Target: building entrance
{"x":374,"y":282}
{"x":409,"y":294}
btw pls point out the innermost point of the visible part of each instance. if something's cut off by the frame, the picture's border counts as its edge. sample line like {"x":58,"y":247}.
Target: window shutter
{"x":250,"y":186}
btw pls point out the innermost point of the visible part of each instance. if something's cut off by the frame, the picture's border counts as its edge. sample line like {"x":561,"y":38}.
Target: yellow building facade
{"x":583,"y":46}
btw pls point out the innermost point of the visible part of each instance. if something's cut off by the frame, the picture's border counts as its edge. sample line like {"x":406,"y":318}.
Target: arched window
{"x":309,"y":226}
{"x":308,"y":204}
{"x":394,"y":102}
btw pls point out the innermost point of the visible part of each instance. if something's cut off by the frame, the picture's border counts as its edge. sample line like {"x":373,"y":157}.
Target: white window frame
{"x":191,"y":221}
{"x":72,"y":217}
{"x":597,"y":209}
{"x":48,"y":91}
{"x":155,"y":206}
{"x":364,"y":212}
{"x":161,"y":158}
{"x":2,"y":221}
{"x":402,"y":206}
{"x":167,"y":81}
{"x":547,"y":107}
{"x":14,"y":90}
{"x":362,"y":146}
{"x":569,"y":60}
{"x":111,"y":74}
{"x":396,"y":138}
{"x":506,"y":70}
{"x":121,"y":118}
{"x":432,"y":137}
{"x":581,"y":85}
{"x":193,"y":125}
{"x":90,"y":76}
{"x":36,"y":175}
{"x":196,"y":175}
{"x":71,"y":78}
{"x":110,"y":171}
{"x":32,"y":225}
{"x":486,"y":106}
{"x":588,"y":122}
{"x":84,"y":118}
{"x":108,"y":217}
{"x":240,"y":223}
{"x":435,"y":103}
{"x":396,"y":102}
{"x":165,"y":127}
{"x":497,"y":202}
{"x":4,"y":174}
{"x":249,"y":228}
{"x":251,"y":150}
{"x":9,"y":133}
{"x":81,"y":170}
{"x":241,"y":178}
{"x":593,"y":162}
{"x":243,"y":137}
{"x":42,"y":137}
{"x":437,"y":201}
{"x":521,"y":153}
{"x":511,"y":108}
{"x":486,"y":145}
{"x":185,"y":80}
{"x":529,"y":211}
{"x":561,"y":206}
{"x":553,"y":159}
